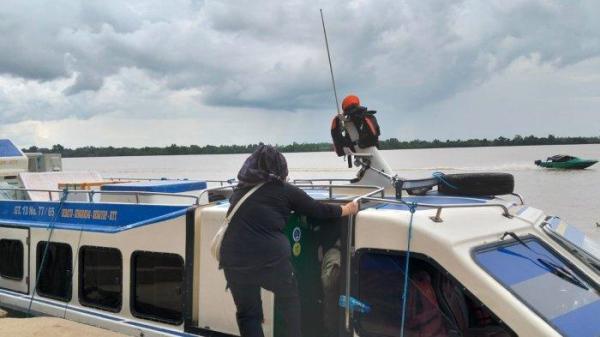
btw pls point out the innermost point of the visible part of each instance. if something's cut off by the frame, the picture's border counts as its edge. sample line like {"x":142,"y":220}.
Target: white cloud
{"x":89,"y":61}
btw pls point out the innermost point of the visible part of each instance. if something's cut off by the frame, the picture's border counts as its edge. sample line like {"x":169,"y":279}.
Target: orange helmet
{"x":350,"y":101}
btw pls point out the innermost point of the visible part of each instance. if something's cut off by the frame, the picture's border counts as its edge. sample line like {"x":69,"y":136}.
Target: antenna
{"x":337,"y":104}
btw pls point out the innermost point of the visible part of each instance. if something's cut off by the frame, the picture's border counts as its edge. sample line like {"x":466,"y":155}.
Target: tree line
{"x":387,"y":144}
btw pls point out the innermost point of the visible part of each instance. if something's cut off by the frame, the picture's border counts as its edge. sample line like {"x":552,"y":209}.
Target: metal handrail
{"x":231,"y":181}
{"x":520,"y":197}
{"x":329,"y":180}
{"x":197,"y":198}
{"x":220,"y":188}
{"x":91,"y":193}
{"x":221,"y":182}
{"x":350,"y":251}
{"x":330,"y":187}
{"x":439,"y":207}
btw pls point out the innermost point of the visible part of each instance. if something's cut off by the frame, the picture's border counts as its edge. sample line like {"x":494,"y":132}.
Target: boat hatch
{"x":549,"y":285}
{"x":95,"y":217}
{"x":575,"y":240}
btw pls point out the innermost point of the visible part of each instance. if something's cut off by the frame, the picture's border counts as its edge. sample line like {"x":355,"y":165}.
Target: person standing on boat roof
{"x":255,"y":252}
{"x":350,"y":102}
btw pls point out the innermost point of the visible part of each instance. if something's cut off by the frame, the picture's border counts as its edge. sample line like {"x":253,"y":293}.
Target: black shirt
{"x":255,"y":238}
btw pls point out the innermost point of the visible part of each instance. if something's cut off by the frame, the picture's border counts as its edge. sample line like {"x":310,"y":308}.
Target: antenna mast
{"x":337,"y":104}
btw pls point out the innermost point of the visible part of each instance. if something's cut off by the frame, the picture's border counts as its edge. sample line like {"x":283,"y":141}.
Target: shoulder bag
{"x":215,"y":245}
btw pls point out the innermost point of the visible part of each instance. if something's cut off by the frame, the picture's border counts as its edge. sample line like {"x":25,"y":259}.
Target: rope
{"x":412,"y":207}
{"x":440,"y":176}
{"x":51,"y":229}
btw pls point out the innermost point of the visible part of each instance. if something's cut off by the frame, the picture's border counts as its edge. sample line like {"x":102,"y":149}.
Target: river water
{"x":574,"y":195}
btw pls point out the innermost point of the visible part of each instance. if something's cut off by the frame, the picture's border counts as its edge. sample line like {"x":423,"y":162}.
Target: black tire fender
{"x":477,"y":184}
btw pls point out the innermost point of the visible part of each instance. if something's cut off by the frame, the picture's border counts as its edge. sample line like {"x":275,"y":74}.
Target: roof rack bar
{"x":117,"y":179}
{"x":375,"y":189}
{"x":519,"y":197}
{"x":328,"y":180}
{"x":213,"y":189}
{"x":505,"y":211}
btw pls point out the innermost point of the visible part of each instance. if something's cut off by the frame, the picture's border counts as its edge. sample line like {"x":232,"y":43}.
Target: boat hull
{"x":569,"y":165}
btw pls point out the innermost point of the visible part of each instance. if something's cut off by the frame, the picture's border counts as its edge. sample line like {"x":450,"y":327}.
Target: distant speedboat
{"x":562,"y":161}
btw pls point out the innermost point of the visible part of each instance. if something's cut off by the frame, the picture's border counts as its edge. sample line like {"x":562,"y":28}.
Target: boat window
{"x":380,"y":286}
{"x":437,"y":305}
{"x":56,"y":272}
{"x":157,"y":282}
{"x":547,"y":283}
{"x":100,"y":272}
{"x":11,"y":259}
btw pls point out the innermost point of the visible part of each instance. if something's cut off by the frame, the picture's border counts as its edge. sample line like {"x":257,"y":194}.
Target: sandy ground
{"x":49,"y":327}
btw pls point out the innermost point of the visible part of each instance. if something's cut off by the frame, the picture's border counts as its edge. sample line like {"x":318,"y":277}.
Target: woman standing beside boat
{"x":255,"y":253}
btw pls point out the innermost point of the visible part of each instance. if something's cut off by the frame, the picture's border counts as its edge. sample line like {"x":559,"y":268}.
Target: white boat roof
{"x":51,"y":180}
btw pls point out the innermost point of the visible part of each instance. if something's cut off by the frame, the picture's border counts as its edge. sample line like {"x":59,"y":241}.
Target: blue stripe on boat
{"x":582,"y":322}
{"x":95,"y":217}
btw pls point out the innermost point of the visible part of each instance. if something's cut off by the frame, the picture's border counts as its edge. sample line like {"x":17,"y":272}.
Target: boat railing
{"x":520,"y":197}
{"x":438,"y":207}
{"x":90,"y":193}
{"x":224,"y":182}
{"x":216,"y":189}
{"x":331,"y":187}
{"x":196,"y":198}
{"x":330,"y":181}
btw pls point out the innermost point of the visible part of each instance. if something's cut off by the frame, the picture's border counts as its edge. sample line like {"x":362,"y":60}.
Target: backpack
{"x":366,"y":125}
{"x":340,"y":137}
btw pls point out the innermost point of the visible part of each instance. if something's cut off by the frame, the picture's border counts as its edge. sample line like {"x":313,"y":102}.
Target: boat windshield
{"x":586,"y":249}
{"x":548,"y":284}
{"x":560,"y":158}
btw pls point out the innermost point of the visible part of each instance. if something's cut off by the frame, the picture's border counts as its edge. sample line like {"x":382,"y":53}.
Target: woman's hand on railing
{"x":350,"y":208}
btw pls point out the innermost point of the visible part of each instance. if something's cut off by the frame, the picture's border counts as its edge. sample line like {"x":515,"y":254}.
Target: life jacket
{"x":340,"y":137}
{"x":366,"y":125}
{"x":424,"y":317}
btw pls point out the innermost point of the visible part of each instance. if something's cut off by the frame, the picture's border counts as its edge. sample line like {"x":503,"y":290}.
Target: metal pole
{"x":349,"y":248}
{"x":337,"y":103}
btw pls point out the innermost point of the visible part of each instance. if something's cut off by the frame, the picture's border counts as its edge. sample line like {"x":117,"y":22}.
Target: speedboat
{"x":446,"y":255}
{"x":562,"y":161}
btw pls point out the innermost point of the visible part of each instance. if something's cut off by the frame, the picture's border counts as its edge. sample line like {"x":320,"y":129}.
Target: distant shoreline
{"x":387,"y":144}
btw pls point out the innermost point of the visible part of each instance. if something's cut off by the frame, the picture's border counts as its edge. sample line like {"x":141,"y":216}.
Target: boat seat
{"x":471,"y":319}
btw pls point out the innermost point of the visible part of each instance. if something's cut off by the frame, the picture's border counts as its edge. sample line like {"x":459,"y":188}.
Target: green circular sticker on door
{"x":297,"y":249}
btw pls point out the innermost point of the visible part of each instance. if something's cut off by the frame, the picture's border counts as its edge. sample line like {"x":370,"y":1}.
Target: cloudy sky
{"x":156,"y":72}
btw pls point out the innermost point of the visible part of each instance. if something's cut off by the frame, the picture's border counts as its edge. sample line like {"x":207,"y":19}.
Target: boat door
{"x":14,"y":258}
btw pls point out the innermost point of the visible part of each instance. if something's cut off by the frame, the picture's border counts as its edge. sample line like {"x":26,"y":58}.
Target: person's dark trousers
{"x":245,"y":288}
